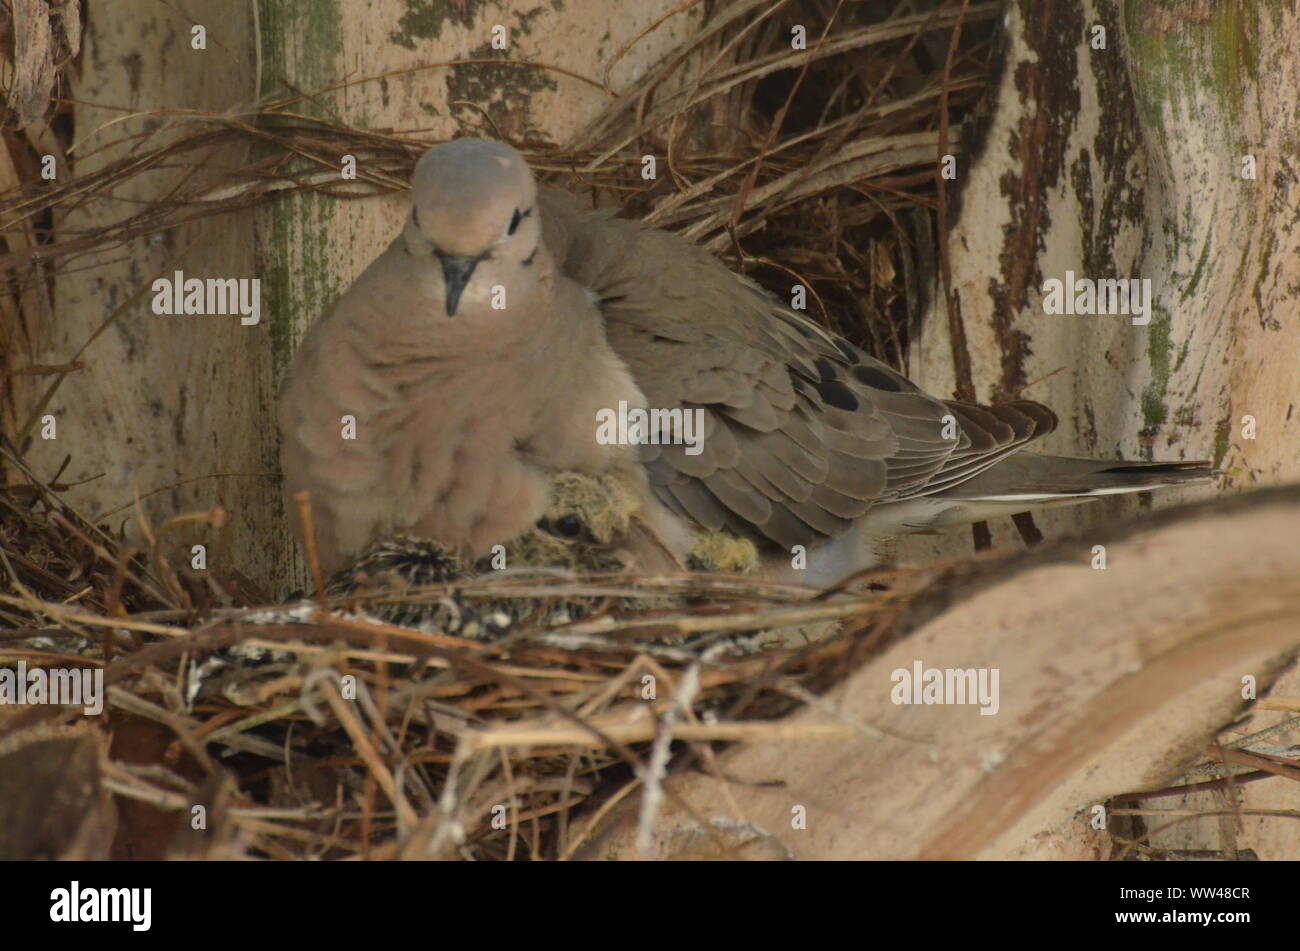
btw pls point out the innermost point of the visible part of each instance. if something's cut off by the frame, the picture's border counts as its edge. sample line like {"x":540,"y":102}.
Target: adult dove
{"x":459,"y":370}
{"x":476,"y":351}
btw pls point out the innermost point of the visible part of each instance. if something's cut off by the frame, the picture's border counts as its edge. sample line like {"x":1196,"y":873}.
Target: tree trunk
{"x":1131,"y":162}
{"x":171,"y":408}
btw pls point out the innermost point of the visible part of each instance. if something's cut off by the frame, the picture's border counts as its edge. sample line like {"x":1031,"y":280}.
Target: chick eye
{"x":568,"y":526}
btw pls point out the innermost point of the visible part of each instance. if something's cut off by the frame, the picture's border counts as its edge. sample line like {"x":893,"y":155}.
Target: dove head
{"x":474,"y":213}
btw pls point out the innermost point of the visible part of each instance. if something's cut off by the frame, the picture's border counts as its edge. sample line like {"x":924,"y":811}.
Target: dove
{"x":456,"y":373}
{"x":807,"y":443}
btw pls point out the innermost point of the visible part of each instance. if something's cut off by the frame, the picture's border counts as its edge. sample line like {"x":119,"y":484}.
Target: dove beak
{"x":456,"y":273}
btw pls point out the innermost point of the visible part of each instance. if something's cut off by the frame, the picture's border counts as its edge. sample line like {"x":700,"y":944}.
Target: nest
{"x":453,"y":747}
{"x":314,"y":730}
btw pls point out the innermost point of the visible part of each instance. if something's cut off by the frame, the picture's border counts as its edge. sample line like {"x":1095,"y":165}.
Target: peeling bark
{"x":1125,"y":162}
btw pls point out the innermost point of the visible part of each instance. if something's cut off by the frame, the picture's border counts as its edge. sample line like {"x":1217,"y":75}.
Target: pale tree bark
{"x":159,"y":403}
{"x":1127,"y":162}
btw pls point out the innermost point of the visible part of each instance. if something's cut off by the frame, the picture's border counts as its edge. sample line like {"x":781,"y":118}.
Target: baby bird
{"x":584,"y":530}
{"x":390,"y":574}
{"x":586,"y":519}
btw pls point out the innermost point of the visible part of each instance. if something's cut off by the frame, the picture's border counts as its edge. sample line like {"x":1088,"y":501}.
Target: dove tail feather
{"x":1037,"y":479}
{"x":1028,"y":481}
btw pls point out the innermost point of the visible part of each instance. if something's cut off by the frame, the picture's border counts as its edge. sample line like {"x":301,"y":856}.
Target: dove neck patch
{"x":515,"y":220}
